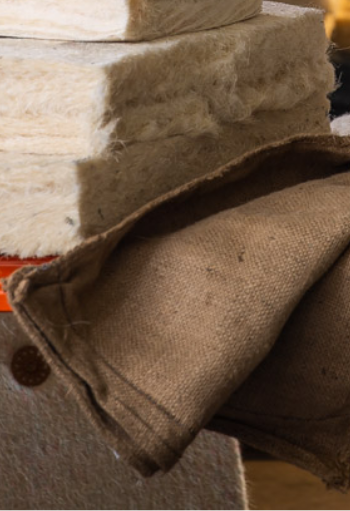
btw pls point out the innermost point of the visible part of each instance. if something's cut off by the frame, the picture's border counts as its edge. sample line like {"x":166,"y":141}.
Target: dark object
{"x":340,"y":99}
{"x":29,"y":367}
{"x":251,"y":454}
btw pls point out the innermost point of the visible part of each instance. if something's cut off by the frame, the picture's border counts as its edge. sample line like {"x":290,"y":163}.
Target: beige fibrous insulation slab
{"x":50,"y":203}
{"x":118,"y":20}
{"x":90,"y":132}
{"x":91,"y":100}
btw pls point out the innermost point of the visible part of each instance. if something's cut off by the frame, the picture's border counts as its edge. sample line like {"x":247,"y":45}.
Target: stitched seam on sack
{"x":160,"y":407}
{"x":131,"y":410}
{"x":148,"y":426}
{"x":148,"y":397}
{"x":142,"y":393}
{"x":70,"y":370}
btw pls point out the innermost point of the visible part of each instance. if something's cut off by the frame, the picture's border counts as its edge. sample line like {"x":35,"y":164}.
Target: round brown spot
{"x":29,"y":367}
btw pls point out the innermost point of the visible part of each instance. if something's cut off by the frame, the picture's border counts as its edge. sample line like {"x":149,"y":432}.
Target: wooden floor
{"x":276,"y":485}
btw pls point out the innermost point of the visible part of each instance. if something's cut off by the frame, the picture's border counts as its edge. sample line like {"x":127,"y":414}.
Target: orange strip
{"x":9,"y":265}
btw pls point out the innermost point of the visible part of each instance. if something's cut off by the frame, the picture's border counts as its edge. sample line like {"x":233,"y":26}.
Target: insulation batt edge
{"x":88,"y":100}
{"x":91,"y":132}
{"x":118,"y":20}
{"x":50,"y":204}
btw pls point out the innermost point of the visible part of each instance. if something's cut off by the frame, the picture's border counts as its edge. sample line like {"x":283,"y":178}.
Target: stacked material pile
{"x":91,"y":131}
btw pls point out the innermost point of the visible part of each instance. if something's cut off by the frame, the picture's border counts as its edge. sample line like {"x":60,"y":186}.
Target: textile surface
{"x":52,"y":458}
{"x":156,"y":324}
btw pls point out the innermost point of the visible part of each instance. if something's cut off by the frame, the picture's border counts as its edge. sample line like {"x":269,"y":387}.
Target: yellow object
{"x":338,"y":22}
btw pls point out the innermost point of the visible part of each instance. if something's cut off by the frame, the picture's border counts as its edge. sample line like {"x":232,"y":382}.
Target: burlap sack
{"x":156,"y":323}
{"x":296,"y":405}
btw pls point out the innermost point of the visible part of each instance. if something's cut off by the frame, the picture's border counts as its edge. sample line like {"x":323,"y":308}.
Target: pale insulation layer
{"x":51,"y":204}
{"x":88,"y":100}
{"x":341,"y":126}
{"x":118,"y":20}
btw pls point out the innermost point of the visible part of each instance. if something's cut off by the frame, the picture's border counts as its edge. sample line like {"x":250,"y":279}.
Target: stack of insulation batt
{"x":125,"y":100}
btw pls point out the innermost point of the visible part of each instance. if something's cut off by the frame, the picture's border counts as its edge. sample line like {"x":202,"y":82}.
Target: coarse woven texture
{"x":92,"y":100}
{"x":54,"y":459}
{"x":155,"y":324}
{"x":51,"y":204}
{"x":118,"y":20}
{"x":341,"y":125}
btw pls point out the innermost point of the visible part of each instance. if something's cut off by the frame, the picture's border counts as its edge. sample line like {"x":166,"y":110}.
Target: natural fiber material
{"x":155,"y":324}
{"x":88,"y":100}
{"x":51,"y":204}
{"x":51,"y":458}
{"x":341,"y":125}
{"x":119,"y":19}
{"x":295,"y":406}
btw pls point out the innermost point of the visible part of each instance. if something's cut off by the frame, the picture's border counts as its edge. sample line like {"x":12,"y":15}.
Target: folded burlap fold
{"x":157,"y":323}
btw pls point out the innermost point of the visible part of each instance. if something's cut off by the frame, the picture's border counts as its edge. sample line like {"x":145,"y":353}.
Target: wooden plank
{"x":276,"y":485}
